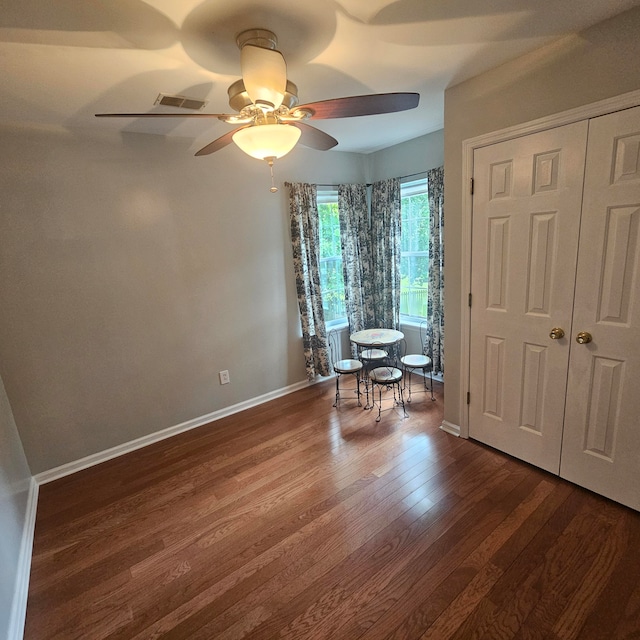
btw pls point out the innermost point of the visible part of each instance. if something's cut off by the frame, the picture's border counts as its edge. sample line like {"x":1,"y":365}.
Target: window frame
{"x":416,"y":185}
{"x":329,"y":195}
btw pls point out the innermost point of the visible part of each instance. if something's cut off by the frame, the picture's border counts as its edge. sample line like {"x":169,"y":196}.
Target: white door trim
{"x":609,"y":105}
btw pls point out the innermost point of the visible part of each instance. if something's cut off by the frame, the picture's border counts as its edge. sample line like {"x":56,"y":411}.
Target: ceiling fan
{"x":271,"y":120}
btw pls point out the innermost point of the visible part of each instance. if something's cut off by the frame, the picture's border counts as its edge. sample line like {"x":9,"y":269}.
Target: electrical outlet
{"x":224,"y":377}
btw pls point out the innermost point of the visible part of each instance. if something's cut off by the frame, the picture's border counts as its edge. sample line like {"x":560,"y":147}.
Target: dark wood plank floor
{"x":297,"y":520}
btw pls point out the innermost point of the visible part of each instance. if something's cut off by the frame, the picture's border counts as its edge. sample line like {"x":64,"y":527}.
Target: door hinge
{"x":469,"y":299}
{"x":468,"y":397}
{"x":472,"y":186}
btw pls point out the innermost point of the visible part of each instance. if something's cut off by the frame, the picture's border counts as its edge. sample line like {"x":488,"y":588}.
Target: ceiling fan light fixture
{"x":264,"y":73}
{"x":267,"y":140}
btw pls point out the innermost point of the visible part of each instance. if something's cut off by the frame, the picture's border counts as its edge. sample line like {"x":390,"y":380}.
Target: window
{"x":414,"y":260}
{"x":331,"y":278}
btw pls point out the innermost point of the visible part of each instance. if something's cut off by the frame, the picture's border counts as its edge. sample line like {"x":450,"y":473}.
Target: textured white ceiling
{"x":63,"y":61}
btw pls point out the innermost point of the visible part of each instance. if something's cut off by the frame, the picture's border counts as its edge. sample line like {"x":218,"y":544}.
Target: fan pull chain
{"x":270,"y":160}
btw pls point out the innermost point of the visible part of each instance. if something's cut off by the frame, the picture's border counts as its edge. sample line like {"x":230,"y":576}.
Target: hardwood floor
{"x":297,"y":520}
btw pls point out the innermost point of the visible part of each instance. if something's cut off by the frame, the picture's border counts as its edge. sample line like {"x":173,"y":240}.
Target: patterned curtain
{"x":435,"y":304}
{"x":305,"y":242}
{"x":355,"y":237}
{"x":385,"y":235}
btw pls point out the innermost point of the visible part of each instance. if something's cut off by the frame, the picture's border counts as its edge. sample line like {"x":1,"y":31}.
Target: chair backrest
{"x":378,"y":353}
{"x":335,"y":345}
{"x":402,"y":348}
{"x":425,"y":338}
{"x":385,"y":372}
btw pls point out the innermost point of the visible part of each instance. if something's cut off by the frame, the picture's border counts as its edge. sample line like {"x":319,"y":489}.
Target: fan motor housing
{"x":239,"y":98}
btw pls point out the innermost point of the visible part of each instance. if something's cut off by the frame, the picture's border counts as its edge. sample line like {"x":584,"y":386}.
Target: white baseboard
{"x":451,"y":428}
{"x":139,"y":443}
{"x":21,"y":590}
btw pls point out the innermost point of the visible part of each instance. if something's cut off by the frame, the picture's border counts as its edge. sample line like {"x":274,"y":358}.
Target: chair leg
{"x":433,"y":399}
{"x":410,"y":372}
{"x":366,"y":388}
{"x":372,"y":404}
{"x":358,"y":393}
{"x":404,"y":410}
{"x":396,"y":402}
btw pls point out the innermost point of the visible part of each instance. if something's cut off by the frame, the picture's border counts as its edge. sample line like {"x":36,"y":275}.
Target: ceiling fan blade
{"x":367,"y":105}
{"x":314,"y":138}
{"x":218,"y":143}
{"x":264,"y":73}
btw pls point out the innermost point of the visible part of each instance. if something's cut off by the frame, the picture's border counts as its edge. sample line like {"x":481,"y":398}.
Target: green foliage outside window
{"x":414,"y":261}
{"x":331,"y":277}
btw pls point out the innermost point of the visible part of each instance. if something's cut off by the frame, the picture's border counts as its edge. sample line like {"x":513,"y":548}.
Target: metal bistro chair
{"x":423,"y":360}
{"x":343,"y":366}
{"x":387,"y":376}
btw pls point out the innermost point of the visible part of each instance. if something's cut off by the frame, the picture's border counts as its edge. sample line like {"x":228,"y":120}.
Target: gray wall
{"x":599,"y":63}
{"x":131,"y":273}
{"x":15,"y":478}
{"x":414,"y":156}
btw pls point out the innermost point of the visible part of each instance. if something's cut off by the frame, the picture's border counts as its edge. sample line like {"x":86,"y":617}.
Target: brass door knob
{"x":583,"y":337}
{"x":556,"y":333}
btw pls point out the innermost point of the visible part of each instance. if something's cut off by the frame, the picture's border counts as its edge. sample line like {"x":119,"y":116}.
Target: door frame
{"x":592,"y":110}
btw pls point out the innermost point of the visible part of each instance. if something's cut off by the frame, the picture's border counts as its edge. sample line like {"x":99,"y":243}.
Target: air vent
{"x":180,"y":101}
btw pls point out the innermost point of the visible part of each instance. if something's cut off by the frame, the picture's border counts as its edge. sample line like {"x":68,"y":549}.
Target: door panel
{"x":601,"y":444}
{"x":526,"y":220}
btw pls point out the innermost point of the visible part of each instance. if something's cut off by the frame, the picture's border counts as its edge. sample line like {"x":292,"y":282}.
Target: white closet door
{"x":601,"y":446}
{"x":526,"y":219}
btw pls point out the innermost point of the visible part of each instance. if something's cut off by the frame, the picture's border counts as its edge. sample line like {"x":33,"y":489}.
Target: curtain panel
{"x":435,"y":303}
{"x":357,"y":267}
{"x":385,"y":233}
{"x":305,"y":243}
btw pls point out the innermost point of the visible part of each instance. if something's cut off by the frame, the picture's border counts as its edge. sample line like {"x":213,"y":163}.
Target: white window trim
{"x":329,"y":195}
{"x":408,"y":188}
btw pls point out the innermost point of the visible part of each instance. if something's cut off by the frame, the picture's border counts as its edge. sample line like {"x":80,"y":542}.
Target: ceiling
{"x":66,"y":60}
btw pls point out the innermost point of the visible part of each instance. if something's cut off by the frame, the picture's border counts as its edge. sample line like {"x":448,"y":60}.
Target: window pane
{"x":331,"y":278}
{"x":414,"y":262}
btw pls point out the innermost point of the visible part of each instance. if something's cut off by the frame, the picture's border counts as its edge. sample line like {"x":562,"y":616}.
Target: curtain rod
{"x":369,"y":184}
